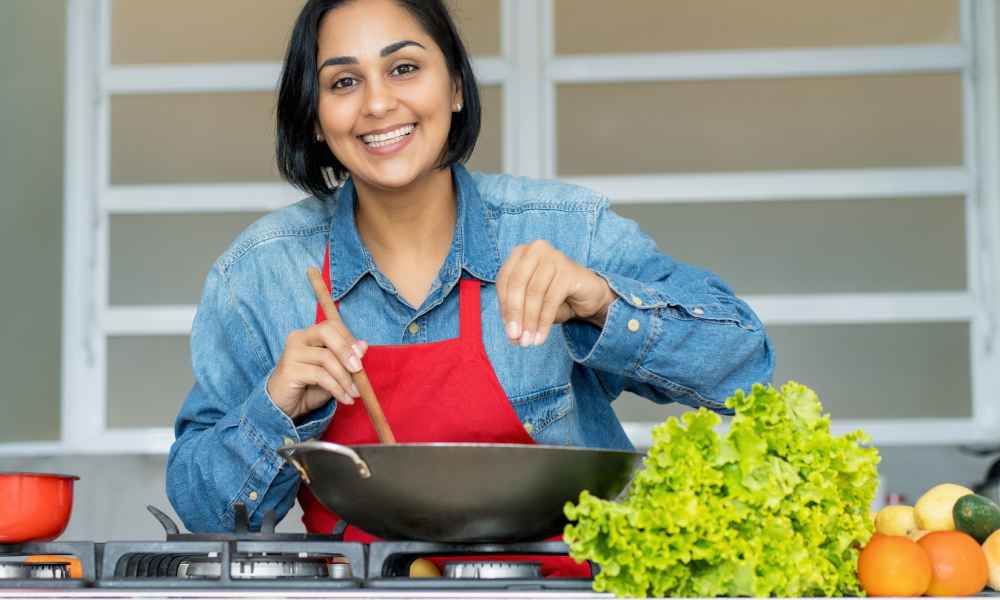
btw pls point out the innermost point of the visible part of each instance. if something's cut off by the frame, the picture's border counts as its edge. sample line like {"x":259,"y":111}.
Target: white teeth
{"x":386,"y":139}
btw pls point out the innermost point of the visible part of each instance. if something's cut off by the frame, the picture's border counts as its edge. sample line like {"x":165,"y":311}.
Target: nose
{"x":379,"y":99}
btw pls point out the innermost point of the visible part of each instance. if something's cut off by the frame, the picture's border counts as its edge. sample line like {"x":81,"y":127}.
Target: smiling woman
{"x":482,"y":308}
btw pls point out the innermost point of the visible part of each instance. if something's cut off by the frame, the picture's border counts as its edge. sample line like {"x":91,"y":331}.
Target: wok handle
{"x":288,"y":453}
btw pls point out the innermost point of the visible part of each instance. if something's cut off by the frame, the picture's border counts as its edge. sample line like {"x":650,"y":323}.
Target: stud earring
{"x":458,"y":107}
{"x":319,"y":137}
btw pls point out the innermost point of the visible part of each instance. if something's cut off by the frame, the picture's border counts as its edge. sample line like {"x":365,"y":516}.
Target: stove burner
{"x":493,"y":570}
{"x":23,"y":570}
{"x":263,"y":567}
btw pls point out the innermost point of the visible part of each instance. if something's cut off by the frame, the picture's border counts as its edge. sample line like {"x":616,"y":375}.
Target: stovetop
{"x":266,"y":560}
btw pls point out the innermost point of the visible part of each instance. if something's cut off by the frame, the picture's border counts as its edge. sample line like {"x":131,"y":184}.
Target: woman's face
{"x":385,"y":94}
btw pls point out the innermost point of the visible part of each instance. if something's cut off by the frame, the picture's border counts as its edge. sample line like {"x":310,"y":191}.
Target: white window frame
{"x":529,"y":71}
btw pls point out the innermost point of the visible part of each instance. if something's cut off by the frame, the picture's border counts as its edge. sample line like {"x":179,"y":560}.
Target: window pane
{"x":872,"y":371}
{"x":880,"y":371}
{"x":479,"y":25}
{"x":148,"y":379}
{"x":587,"y":26}
{"x":488,"y":155}
{"x":813,"y":247}
{"x":164,"y":259}
{"x":758,"y":124}
{"x":192,"y":138}
{"x":193,"y":31}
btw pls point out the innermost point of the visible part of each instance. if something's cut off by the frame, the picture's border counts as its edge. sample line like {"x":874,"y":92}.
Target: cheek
{"x":336,"y":115}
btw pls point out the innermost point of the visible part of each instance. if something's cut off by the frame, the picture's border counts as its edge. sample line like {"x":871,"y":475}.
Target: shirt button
{"x":414,"y":328}
{"x":698,"y":311}
{"x":253,"y":496}
{"x":528,"y":427}
{"x":633,"y":325}
{"x":636,"y":300}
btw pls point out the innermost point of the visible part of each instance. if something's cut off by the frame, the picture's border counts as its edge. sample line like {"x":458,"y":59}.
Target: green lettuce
{"x":779,"y":507}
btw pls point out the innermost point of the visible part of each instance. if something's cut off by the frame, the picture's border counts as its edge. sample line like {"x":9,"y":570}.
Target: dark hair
{"x":305,"y":162}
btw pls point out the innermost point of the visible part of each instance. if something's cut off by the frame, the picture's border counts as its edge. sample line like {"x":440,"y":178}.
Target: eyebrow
{"x":352,"y":60}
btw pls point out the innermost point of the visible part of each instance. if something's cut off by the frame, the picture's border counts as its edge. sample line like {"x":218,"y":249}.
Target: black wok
{"x":458,"y":492}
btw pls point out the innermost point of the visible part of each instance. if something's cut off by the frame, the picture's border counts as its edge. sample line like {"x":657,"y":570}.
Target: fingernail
{"x":540,"y":338}
{"x":513,"y":330}
{"x":347,"y":400}
{"x":364,"y":346}
{"x":354,"y":364}
{"x":527,"y":338}
{"x":354,"y":391}
{"x":357,"y":350}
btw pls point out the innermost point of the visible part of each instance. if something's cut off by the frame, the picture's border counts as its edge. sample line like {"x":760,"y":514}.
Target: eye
{"x":404,"y":69}
{"x":344,"y":83}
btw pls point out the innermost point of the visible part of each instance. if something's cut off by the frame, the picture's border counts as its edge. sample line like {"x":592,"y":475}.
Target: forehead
{"x":363,"y":27}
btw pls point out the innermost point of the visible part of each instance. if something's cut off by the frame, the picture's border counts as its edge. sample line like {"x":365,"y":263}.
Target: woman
{"x":482,"y":307}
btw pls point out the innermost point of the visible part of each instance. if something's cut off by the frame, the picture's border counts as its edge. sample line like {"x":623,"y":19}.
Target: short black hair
{"x":307,"y":163}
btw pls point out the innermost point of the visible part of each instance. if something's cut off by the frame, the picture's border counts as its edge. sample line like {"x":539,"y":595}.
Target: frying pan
{"x":34,"y":506}
{"x":457,"y":492}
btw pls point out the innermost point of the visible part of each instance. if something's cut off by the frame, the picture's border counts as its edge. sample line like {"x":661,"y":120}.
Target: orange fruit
{"x":893,"y":565}
{"x":958,"y":563}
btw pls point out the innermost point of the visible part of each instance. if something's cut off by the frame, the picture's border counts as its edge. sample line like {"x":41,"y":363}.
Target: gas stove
{"x":266,"y":560}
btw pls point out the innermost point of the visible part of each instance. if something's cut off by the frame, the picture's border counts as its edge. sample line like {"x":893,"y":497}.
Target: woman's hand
{"x":316,"y":364}
{"x":539,"y":285}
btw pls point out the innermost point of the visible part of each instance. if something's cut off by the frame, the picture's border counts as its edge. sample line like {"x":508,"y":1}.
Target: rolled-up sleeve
{"x":228,"y":429}
{"x":676,"y":333}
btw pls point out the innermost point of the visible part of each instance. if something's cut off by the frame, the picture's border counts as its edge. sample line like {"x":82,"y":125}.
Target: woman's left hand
{"x":539,"y":285}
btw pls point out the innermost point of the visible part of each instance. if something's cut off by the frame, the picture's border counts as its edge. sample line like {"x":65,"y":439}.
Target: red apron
{"x":426,"y":392}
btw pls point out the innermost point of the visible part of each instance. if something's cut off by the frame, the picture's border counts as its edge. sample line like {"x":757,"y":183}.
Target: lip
{"x":392,"y":148}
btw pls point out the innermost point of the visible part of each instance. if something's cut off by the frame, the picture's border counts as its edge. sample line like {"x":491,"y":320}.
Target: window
{"x":838,"y":169}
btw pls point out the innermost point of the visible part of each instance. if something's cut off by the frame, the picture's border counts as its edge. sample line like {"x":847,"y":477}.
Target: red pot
{"x":34,"y":507}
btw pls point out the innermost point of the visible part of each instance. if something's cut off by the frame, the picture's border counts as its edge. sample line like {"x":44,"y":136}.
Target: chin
{"x":394,"y":178}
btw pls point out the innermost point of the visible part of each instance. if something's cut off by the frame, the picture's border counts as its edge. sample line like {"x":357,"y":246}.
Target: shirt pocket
{"x":549,"y":415}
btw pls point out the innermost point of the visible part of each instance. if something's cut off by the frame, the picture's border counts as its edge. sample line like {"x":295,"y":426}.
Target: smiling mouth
{"x":378,"y":140}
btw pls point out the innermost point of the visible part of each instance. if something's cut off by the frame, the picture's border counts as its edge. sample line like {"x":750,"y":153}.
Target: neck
{"x":417,"y":219}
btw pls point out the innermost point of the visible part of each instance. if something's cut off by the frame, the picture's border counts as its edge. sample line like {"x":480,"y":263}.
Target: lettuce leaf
{"x":779,"y":507}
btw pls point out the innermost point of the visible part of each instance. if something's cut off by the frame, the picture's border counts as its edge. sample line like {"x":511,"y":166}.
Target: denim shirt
{"x":675,"y":334}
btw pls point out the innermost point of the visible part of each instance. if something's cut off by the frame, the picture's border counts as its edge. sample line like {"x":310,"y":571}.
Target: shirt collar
{"x":473,"y":245}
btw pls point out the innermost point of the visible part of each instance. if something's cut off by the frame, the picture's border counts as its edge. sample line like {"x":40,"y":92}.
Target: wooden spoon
{"x":360,"y":378}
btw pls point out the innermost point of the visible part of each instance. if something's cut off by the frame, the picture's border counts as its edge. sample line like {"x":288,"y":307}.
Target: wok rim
{"x":322,"y":445}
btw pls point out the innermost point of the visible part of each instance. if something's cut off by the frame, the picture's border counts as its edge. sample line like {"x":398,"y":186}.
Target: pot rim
{"x":34,"y":474}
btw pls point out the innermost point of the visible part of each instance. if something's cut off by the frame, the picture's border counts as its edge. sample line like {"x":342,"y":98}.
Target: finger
{"x":327,"y":359}
{"x":316,"y":337}
{"x":534,"y":296}
{"x":335,"y":337}
{"x":555,"y":298}
{"x":503,"y":279}
{"x":513,"y":298}
{"x":317,"y":375}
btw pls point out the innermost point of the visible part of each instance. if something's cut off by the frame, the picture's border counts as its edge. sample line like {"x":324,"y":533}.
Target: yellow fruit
{"x":424,"y":568}
{"x":895,"y":520}
{"x":933,"y":511}
{"x":991,"y":547}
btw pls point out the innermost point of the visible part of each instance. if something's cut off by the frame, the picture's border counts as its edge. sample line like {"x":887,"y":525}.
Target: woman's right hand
{"x":316,"y":364}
